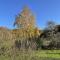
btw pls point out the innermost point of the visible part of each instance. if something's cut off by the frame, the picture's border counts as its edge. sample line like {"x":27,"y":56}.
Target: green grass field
{"x":33,"y":55}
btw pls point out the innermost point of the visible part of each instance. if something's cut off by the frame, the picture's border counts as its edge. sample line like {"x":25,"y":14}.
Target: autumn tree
{"x":25,"y":21}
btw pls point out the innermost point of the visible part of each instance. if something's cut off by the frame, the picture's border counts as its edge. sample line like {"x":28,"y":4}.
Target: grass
{"x":33,"y":55}
{"x":48,"y":53}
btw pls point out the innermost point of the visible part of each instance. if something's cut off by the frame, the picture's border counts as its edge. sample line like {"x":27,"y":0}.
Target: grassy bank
{"x":33,"y":55}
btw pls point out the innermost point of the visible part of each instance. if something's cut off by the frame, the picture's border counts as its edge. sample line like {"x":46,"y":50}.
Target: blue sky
{"x":44,"y":10}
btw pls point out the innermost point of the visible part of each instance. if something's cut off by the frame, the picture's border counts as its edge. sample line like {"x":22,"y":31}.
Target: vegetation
{"x":27,"y":42}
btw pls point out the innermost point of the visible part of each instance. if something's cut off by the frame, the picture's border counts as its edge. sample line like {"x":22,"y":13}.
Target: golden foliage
{"x":25,"y":19}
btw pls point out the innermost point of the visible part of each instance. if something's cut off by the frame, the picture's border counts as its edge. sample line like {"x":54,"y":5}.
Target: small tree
{"x":49,"y":35}
{"x":50,"y":25}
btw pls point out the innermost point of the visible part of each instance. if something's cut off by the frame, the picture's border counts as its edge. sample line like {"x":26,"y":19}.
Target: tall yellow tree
{"x":25,"y":22}
{"x":25,"y":19}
